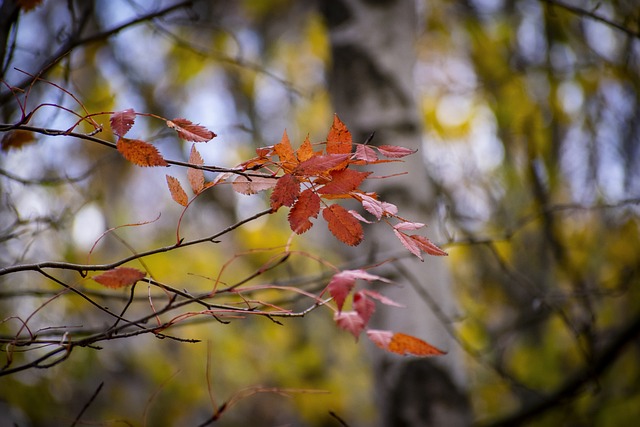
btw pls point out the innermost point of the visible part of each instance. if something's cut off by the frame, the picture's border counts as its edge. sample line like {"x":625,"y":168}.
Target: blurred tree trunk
{"x":372,"y":87}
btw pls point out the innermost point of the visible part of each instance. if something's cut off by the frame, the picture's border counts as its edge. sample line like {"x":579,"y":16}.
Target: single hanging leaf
{"x":119,"y":277}
{"x":122,"y":121}
{"x":350,"y":321}
{"x":339,"y":138}
{"x":406,"y":225}
{"x":340,"y":286}
{"x":409,"y":345}
{"x":195,"y":176}
{"x":17,"y":138}
{"x":343,"y":225}
{"x":394,"y":152}
{"x":307,"y":206}
{"x":320,"y":164}
{"x":427,"y":246}
{"x":140,"y":153}
{"x":363,"y":306}
{"x":384,"y":300}
{"x":288,"y":159}
{"x":286,"y":192}
{"x":305,"y":152}
{"x":344,"y":181}
{"x":359,"y":217}
{"x":242,"y":184}
{"x":177,"y":192}
{"x":189,"y":131}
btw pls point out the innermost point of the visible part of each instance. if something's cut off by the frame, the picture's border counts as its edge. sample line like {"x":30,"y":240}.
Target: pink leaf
{"x":122,"y":121}
{"x":365,"y":153}
{"x":380,"y":338}
{"x":242,"y":184}
{"x":339,"y":287}
{"x":410,"y":244}
{"x":381,"y":298}
{"x":363,"y":306}
{"x":350,"y":321}
{"x":408,"y":226}
{"x":394,"y":152}
{"x":427,"y":246}
{"x":359,"y":217}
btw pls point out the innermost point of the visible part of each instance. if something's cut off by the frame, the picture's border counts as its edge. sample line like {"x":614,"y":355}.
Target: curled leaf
{"x":122,"y":121}
{"x":190,"y":131}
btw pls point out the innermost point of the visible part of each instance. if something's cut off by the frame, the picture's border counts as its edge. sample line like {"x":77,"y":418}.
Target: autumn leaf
{"x":17,"y":138}
{"x":339,"y":138}
{"x":344,"y":181}
{"x":365,"y":153}
{"x":195,"y":176}
{"x":406,"y":225}
{"x":394,"y":152}
{"x":350,"y":321}
{"x":307,"y":206}
{"x":427,"y":246}
{"x":343,"y":282}
{"x":283,"y":149}
{"x":320,"y":164}
{"x":140,"y":153}
{"x":286,"y":192}
{"x":381,"y":298}
{"x":253,"y":185}
{"x":363,"y":306}
{"x":305,"y":152}
{"x":376,"y":207}
{"x":410,"y":244}
{"x":402,"y":343}
{"x":189,"y":131}
{"x":122,"y":121}
{"x":119,"y":277}
{"x":343,"y":225}
{"x":177,"y":192}
{"x":28,"y":5}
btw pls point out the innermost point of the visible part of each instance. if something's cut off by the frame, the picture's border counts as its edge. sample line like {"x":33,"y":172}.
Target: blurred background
{"x":529,"y":125}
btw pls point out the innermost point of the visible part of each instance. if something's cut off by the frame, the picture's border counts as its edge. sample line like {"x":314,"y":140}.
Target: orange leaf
{"x":339,"y":138}
{"x":283,"y":149}
{"x":122,"y":121}
{"x":427,"y":246}
{"x":177,"y":192}
{"x":286,"y":192}
{"x":409,"y":345}
{"x":307,"y":206}
{"x":140,"y":153}
{"x":120,"y":277}
{"x":16,"y":138}
{"x":305,"y":152}
{"x":344,"y":181}
{"x":344,"y":226}
{"x":189,"y":131}
{"x":195,"y":176}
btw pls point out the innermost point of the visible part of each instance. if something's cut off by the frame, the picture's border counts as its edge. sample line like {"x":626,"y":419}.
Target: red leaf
{"x":119,"y":277}
{"x":339,"y":138}
{"x":343,"y":225}
{"x":244,"y":186}
{"x":344,"y":181}
{"x":177,"y":192}
{"x":189,"y":131}
{"x":307,"y":206}
{"x":288,"y":159}
{"x":340,"y":286}
{"x":365,"y":153}
{"x":140,"y":153}
{"x":350,"y":321}
{"x":195,"y":176}
{"x":394,"y":152}
{"x":122,"y":121}
{"x":363,"y":306}
{"x":409,"y":345}
{"x":320,"y":164}
{"x":285,"y":192}
{"x":427,"y":246}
